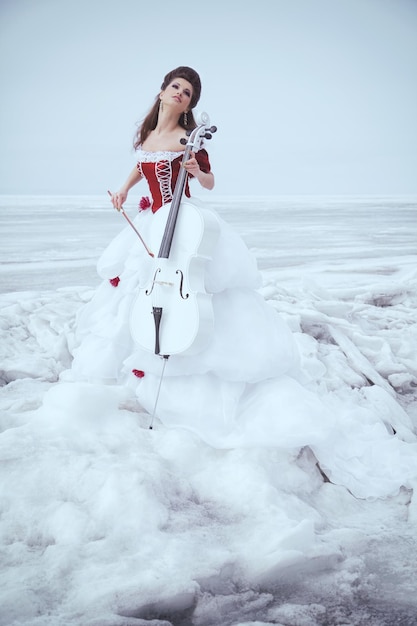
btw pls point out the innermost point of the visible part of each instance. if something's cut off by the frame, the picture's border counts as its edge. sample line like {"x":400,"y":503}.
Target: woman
{"x":241,"y":389}
{"x":251,"y":343}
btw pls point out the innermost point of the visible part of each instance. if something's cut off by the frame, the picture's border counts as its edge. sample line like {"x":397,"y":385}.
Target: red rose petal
{"x":144,"y":203}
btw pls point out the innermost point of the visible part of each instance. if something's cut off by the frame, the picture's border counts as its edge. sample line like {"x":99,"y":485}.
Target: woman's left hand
{"x":192,"y":165}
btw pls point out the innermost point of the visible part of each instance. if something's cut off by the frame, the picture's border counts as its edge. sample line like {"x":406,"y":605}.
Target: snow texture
{"x":104,"y":522}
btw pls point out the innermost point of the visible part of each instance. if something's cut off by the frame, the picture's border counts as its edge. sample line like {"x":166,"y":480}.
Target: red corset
{"x":162,"y":177}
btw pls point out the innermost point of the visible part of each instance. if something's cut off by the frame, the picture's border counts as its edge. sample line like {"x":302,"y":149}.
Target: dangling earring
{"x":185,"y":118}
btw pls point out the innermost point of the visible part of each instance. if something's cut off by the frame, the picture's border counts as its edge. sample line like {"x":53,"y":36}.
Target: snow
{"x":104,"y":522}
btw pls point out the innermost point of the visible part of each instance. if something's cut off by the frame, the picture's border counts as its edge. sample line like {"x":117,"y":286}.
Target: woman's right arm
{"x":119,"y":198}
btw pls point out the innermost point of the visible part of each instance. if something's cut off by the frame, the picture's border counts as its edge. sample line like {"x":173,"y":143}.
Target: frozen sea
{"x":105,"y":523}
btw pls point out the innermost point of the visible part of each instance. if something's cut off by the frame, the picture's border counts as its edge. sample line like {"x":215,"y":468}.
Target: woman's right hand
{"x":118,"y":199}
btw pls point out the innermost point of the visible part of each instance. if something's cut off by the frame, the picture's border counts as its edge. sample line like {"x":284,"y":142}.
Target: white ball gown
{"x":244,"y":388}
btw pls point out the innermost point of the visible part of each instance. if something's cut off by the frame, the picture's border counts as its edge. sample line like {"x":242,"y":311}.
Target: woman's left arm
{"x":206,"y":179}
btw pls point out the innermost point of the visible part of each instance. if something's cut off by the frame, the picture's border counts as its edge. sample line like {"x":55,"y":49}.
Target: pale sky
{"x":309,"y":96}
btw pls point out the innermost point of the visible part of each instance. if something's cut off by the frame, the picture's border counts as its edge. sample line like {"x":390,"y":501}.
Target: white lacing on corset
{"x":163,"y":173}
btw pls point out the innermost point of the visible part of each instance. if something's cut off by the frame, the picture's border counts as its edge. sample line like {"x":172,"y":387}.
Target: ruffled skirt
{"x":242,"y":389}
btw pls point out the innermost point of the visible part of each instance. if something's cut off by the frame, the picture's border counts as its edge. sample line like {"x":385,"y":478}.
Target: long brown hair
{"x":151,"y":120}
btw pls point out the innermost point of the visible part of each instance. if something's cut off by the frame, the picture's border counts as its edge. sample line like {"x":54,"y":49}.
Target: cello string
{"x":158,"y":392}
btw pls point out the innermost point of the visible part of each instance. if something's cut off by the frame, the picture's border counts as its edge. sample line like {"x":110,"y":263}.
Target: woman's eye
{"x":177,"y":86}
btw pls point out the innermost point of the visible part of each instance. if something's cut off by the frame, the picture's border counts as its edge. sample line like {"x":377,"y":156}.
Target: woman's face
{"x":178,"y":93}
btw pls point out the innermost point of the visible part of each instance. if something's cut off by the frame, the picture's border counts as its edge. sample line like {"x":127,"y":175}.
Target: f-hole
{"x":183,"y":296}
{"x":149,"y":291}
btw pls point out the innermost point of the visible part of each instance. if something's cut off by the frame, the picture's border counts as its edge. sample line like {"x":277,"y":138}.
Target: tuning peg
{"x":183,"y":141}
{"x":207,"y":136}
{"x":213,"y":129}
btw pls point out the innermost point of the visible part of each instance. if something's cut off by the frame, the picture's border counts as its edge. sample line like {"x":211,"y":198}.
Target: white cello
{"x":172,"y":313}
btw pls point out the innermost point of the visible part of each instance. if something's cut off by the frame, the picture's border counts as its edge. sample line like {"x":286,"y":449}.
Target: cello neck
{"x":168,"y":235}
